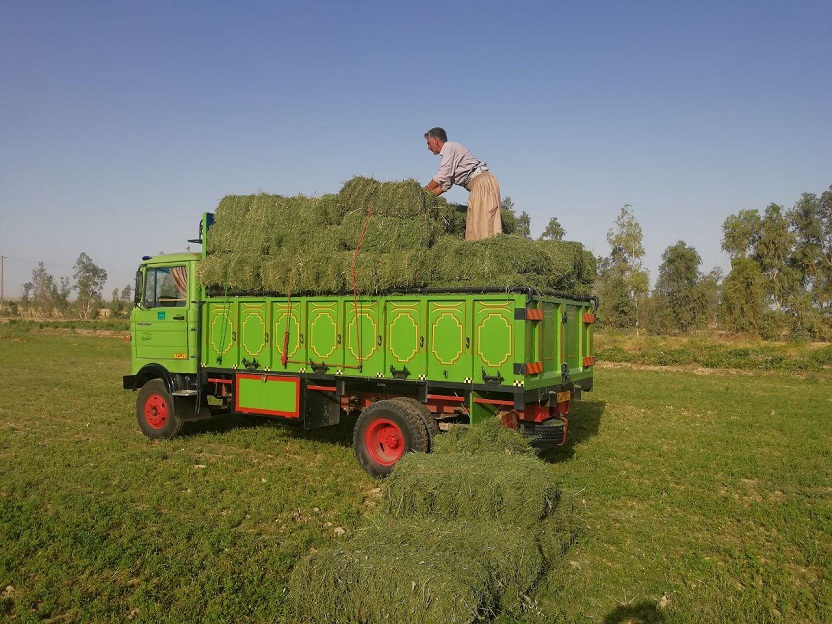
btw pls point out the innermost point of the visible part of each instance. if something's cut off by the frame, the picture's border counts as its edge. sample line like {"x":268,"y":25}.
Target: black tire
{"x":384,"y":432}
{"x":156,"y":411}
{"x":422,"y":412}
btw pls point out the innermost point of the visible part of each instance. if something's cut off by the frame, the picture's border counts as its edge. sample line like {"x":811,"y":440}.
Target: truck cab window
{"x":166,"y":287}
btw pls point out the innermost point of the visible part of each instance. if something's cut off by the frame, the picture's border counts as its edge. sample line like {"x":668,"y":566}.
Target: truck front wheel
{"x":155,"y":411}
{"x":384,"y":432}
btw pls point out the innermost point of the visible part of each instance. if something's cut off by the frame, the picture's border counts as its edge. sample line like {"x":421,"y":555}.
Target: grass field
{"x":702,"y":497}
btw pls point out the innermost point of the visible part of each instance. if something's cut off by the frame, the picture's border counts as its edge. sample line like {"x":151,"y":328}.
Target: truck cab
{"x":164,"y":327}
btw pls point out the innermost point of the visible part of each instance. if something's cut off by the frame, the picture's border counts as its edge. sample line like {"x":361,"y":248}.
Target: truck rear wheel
{"x":156,"y":411}
{"x":422,"y":412}
{"x":384,"y":432}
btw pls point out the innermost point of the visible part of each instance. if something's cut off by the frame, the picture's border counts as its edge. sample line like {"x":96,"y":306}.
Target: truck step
{"x":184,"y":393}
{"x":545,"y":435}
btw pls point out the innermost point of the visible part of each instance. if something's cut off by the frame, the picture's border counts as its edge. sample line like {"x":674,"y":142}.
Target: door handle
{"x":180,"y":317}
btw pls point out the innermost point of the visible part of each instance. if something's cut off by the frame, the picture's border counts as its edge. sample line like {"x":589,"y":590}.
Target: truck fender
{"x":153,"y":371}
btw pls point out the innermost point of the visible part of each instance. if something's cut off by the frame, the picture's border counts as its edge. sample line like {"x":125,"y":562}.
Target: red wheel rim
{"x":384,"y":441}
{"x":156,"y":411}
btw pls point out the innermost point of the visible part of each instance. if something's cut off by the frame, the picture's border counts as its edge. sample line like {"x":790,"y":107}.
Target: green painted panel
{"x":363,"y":321}
{"x":254,"y":335}
{"x":406,"y":337}
{"x":547,"y":332}
{"x":324,"y":333}
{"x":572,"y":336}
{"x":221,"y":325}
{"x":270,"y":396}
{"x":494,"y":339}
{"x":291,"y":316}
{"x":449,"y":341}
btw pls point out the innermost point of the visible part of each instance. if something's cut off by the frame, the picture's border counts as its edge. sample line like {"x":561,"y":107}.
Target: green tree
{"x":89,"y":281}
{"x":710,"y":285}
{"x":743,"y":297}
{"x":623,"y":282}
{"x":512,"y":223}
{"x":120,"y":302}
{"x":554,"y":230}
{"x":43,"y":295}
{"x":772,"y":250}
{"x":679,"y":303}
{"x":740,"y":233}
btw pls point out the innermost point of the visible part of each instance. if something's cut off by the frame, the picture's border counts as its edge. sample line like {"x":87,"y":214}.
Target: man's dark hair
{"x":437,"y":133}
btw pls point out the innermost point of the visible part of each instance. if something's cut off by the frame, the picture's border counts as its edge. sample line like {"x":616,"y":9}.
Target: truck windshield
{"x":166,"y":287}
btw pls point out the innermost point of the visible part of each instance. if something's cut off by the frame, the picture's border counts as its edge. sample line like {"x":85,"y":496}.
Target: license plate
{"x":563,"y":397}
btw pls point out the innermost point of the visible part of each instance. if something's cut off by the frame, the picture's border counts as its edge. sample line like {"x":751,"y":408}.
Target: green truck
{"x":408,"y":365}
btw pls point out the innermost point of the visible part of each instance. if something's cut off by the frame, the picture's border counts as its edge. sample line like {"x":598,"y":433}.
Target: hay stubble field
{"x":701,"y":498}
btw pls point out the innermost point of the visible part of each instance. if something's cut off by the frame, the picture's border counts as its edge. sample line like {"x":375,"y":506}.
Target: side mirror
{"x":137,"y":290}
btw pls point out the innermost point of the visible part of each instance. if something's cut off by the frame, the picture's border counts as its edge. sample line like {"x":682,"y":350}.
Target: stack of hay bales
{"x":462,"y":535}
{"x":273,"y":244}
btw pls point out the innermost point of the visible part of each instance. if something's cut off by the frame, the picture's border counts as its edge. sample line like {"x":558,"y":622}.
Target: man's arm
{"x":434,"y":188}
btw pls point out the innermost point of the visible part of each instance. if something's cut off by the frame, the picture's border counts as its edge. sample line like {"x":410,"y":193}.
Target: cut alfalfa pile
{"x":411,"y":239}
{"x":515,"y":490}
{"x":488,"y":436}
{"x":417,"y":571}
{"x":462,"y":535}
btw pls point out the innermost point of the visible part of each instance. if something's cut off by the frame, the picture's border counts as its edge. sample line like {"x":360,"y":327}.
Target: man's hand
{"x":434,"y":188}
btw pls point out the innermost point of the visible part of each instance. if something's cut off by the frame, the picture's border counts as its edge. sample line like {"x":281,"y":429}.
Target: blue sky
{"x":121,"y":122}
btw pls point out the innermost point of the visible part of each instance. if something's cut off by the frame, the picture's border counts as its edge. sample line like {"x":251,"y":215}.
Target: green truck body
{"x":407,"y":364}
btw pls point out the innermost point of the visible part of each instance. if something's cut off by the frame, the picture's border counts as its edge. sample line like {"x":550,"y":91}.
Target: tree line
{"x":45,"y":296}
{"x":779,"y":284}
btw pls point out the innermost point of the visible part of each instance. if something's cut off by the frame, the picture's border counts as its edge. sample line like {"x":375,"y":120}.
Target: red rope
{"x":284,"y":358}
{"x":355,"y":283}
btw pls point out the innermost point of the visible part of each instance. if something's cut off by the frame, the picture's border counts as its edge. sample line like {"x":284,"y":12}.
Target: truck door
{"x":162,"y":321}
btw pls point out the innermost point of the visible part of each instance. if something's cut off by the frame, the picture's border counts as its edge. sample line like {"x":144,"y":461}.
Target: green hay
{"x":234,"y":273}
{"x":557,"y":532}
{"x":387,"y":234}
{"x":412,"y":240}
{"x":418,"y":571}
{"x":403,"y":200}
{"x":507,"y":262}
{"x":515,"y":490}
{"x":488,"y":436}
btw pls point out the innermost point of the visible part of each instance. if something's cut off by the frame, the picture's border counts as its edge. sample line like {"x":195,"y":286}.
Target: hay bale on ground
{"x":515,"y":490}
{"x":488,"y":436}
{"x":418,"y":571}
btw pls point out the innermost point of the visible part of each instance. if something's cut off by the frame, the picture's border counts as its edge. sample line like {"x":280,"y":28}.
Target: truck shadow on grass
{"x":338,"y":435}
{"x":584,"y":422}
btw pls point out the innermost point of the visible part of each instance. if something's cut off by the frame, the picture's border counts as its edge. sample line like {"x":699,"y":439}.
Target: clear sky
{"x":121,"y":122}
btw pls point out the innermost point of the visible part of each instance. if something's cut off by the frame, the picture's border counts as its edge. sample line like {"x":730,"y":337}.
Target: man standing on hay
{"x":458,"y":166}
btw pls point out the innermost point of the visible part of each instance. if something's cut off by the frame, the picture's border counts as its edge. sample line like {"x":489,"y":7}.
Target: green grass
{"x":702,"y":498}
{"x":713,"y":352}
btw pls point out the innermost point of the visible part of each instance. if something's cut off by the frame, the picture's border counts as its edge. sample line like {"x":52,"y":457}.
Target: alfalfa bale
{"x":400,"y":199}
{"x":419,"y":571}
{"x":515,"y":490}
{"x":384,"y":233}
{"x":231,"y":272}
{"x":314,"y":272}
